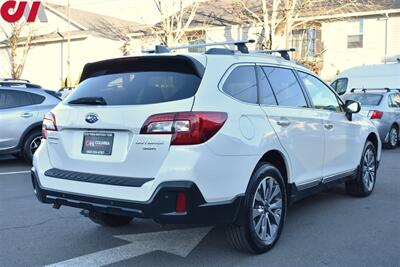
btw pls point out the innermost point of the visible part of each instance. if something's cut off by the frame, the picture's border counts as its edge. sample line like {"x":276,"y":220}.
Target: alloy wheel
{"x":394,"y":137}
{"x":369,"y":169}
{"x":34,"y":145}
{"x":267,"y":210}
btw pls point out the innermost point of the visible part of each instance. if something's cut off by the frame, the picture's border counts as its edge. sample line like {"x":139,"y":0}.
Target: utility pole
{"x":69,"y":47}
{"x":62,"y":57}
{"x":386,"y":19}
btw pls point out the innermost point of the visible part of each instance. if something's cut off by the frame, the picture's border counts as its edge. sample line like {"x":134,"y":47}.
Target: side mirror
{"x":352,"y":107}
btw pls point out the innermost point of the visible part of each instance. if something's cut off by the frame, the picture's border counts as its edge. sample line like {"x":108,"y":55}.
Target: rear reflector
{"x":181,"y":202}
{"x":186,"y":128}
{"x":375,"y":115}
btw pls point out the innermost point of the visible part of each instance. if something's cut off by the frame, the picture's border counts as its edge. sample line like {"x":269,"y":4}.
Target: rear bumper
{"x":383,"y":130}
{"x":161,"y":206}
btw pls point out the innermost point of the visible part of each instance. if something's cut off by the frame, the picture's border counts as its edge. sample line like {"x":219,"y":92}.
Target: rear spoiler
{"x":92,"y":69}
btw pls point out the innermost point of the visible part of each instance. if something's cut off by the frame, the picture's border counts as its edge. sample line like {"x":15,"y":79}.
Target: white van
{"x":372,"y":76}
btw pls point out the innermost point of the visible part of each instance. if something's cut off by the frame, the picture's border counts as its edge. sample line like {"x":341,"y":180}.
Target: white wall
{"x":338,"y":57}
{"x":43,"y":64}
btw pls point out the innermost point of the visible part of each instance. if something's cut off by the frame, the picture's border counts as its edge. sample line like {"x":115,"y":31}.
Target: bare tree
{"x":173,"y":27}
{"x":266,"y":18}
{"x":18,"y":41}
{"x":283,"y":16}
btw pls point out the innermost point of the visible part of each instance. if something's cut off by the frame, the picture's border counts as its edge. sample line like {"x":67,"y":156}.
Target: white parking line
{"x":12,"y":173}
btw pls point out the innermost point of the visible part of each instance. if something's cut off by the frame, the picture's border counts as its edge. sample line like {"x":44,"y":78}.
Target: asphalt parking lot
{"x":329,"y":229}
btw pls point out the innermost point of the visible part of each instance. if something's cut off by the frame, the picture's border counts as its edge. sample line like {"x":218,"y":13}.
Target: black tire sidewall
{"x":263,"y":171}
{"x":360,"y":178}
{"x":26,"y":151}
{"x":390,"y":136}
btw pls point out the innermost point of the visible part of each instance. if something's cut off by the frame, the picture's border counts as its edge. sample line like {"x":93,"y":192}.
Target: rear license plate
{"x":98,"y":143}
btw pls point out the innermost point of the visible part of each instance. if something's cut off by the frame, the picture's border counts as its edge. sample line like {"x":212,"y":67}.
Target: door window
{"x":394,"y":101}
{"x":341,"y":86}
{"x":321,"y":96}
{"x":14,"y":99}
{"x":242,"y":84}
{"x":267,"y":96}
{"x":285,"y":86}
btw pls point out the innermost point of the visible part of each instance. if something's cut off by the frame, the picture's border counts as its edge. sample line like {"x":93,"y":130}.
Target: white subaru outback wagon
{"x":223,"y":137}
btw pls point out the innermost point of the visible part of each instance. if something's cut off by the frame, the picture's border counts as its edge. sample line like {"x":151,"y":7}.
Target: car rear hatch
{"x":369,"y":101}
{"x":98,"y":125}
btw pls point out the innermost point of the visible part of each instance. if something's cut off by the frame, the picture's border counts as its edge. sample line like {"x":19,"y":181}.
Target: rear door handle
{"x":283,"y":123}
{"x":26,"y":115}
{"x":328,"y":126}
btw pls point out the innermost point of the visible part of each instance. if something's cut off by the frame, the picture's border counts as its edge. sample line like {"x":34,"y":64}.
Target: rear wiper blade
{"x":89,"y":101}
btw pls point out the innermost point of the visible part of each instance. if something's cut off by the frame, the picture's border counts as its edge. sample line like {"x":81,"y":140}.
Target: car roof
{"x":258,"y":58}
{"x":39,"y":91}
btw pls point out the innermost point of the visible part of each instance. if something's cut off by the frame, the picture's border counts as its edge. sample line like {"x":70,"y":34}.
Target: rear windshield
{"x":139,"y":82}
{"x":366,"y":99}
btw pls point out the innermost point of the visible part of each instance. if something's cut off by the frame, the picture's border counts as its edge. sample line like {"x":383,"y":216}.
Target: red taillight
{"x":181,"y":202}
{"x":49,"y":124}
{"x":186,"y":128}
{"x":375,"y":115}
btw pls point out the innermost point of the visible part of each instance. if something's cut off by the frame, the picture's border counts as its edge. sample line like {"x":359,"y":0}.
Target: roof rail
{"x":283,"y":52}
{"x":373,"y":89}
{"x":240,"y":44}
{"x":14,"y":80}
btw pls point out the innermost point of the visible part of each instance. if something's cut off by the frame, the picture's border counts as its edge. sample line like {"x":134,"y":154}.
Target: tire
{"x":365,"y":181}
{"x":393,"y":138}
{"x":109,"y":220}
{"x":31,"y":144}
{"x":250,"y":236}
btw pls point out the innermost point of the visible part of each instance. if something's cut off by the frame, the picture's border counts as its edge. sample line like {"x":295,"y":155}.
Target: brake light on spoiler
{"x":186,"y":128}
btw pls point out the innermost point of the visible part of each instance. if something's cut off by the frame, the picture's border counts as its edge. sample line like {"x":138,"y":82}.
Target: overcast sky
{"x":135,"y":10}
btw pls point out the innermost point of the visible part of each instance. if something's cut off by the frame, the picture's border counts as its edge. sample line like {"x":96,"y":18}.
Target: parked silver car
{"x":21,"y":115}
{"x":382,"y":106}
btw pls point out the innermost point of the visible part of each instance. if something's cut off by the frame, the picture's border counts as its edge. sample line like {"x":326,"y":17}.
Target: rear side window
{"x":366,"y":99}
{"x":394,"y":101}
{"x":37,"y":99}
{"x":286,"y":87}
{"x":242,"y":84}
{"x":139,"y":82}
{"x":14,"y":99}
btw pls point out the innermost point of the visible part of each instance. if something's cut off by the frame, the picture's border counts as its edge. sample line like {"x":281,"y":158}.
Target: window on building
{"x":355,"y":37}
{"x":194,"y":38}
{"x":306,"y":42}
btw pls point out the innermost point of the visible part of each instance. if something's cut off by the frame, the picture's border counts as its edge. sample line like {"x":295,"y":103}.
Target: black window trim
{"x":226,"y":74}
{"x":259,"y":68}
{"x":340,"y":101}
{"x":306,"y":96}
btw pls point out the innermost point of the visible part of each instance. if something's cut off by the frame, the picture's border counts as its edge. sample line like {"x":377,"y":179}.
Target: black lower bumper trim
{"x":96,"y":178}
{"x":161,"y":206}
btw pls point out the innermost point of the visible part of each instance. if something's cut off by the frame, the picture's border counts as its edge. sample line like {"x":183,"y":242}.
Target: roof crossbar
{"x":283,"y":52}
{"x":240,"y":44}
{"x":373,"y":89}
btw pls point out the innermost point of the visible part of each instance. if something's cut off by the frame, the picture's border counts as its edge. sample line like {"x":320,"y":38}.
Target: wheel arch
{"x":372,"y":137}
{"x":280,"y":161}
{"x":34,"y":127}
